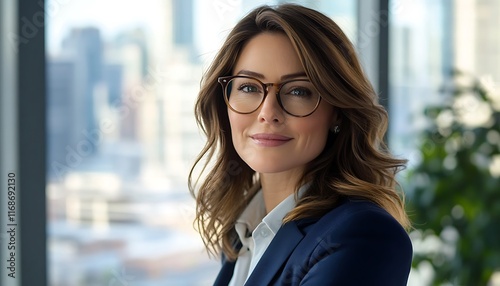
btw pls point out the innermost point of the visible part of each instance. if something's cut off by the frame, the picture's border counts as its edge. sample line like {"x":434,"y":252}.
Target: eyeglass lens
{"x":297,"y":97}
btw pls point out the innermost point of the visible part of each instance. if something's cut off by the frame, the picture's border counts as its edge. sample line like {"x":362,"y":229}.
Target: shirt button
{"x":264,"y":232}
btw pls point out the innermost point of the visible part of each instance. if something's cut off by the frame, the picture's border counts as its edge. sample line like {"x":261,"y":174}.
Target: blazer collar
{"x":225,"y":274}
{"x":276,"y":254}
{"x":283,"y":244}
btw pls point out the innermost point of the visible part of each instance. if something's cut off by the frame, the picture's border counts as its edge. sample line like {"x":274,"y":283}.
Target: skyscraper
{"x":84,"y":46}
{"x":72,"y":78}
{"x":183,"y":26}
{"x":60,"y":113}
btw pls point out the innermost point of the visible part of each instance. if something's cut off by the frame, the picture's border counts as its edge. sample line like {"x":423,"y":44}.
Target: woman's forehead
{"x":269,"y":55}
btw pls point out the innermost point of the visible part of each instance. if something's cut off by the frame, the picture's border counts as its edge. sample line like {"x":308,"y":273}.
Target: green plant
{"x":455,"y":188}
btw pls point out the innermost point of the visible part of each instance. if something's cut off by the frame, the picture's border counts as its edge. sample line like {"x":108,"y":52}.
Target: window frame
{"x":22,"y":46}
{"x":29,"y":100}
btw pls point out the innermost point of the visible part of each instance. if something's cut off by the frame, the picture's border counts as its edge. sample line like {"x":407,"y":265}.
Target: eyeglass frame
{"x":224,"y":81}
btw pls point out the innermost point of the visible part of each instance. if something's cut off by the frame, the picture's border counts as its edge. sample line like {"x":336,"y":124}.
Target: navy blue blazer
{"x":356,"y":243}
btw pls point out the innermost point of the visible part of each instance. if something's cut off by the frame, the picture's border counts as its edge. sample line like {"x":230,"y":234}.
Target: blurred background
{"x":121,"y":80}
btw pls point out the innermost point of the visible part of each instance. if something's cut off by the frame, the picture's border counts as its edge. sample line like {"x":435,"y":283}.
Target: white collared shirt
{"x":263,"y":228}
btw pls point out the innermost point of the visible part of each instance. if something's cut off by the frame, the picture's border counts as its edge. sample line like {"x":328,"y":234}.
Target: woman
{"x":300,"y":188}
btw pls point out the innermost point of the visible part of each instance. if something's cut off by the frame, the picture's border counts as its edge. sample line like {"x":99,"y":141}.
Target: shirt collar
{"x":252,"y":215}
{"x":255,"y":212}
{"x":274,"y":218}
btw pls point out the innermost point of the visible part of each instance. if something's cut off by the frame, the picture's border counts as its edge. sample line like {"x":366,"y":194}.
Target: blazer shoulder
{"x":356,"y":235}
{"x":360,"y":224}
{"x":356,"y":217}
{"x":358,"y":213}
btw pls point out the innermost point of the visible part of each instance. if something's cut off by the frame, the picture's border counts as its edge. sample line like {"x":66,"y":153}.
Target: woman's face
{"x":269,"y":140}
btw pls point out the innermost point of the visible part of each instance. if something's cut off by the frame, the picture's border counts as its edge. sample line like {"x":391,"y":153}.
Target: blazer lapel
{"x":276,"y":254}
{"x":225,"y":274}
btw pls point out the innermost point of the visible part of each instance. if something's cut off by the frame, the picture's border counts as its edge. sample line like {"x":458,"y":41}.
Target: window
{"x":122,"y":77}
{"x":421,"y":55}
{"x":428,"y":40}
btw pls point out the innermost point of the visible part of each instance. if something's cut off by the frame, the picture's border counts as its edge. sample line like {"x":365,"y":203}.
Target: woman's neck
{"x":278,"y":186}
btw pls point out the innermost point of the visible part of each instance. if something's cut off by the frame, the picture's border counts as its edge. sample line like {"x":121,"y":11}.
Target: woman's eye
{"x":249,"y":88}
{"x":299,"y":91}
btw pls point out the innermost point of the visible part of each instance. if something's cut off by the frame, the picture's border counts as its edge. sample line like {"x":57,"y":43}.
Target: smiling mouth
{"x":270,"y":140}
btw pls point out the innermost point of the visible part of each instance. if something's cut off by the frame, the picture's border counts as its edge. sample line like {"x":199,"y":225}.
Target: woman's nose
{"x":270,"y":110}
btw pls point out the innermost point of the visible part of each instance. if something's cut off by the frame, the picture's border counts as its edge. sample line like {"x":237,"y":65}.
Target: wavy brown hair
{"x":355,"y":161}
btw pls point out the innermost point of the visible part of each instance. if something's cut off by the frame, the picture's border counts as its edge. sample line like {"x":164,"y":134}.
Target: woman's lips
{"x":270,"y":140}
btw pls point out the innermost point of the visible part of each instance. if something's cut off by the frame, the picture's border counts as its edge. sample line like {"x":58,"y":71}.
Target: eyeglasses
{"x":245,"y":94}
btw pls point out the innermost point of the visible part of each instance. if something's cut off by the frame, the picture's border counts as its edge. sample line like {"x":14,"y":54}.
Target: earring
{"x":336,"y":129}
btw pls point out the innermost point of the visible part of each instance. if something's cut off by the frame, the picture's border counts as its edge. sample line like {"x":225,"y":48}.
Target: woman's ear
{"x":335,"y":129}
{"x":336,"y":121}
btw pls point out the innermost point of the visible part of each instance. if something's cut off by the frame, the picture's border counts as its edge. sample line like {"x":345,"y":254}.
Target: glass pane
{"x":420,"y":41}
{"x":122,"y":77}
{"x":429,"y":39}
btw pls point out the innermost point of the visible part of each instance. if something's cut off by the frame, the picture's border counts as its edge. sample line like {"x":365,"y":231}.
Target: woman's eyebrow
{"x":261,"y":76}
{"x":251,"y":73}
{"x":293,"y":75}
